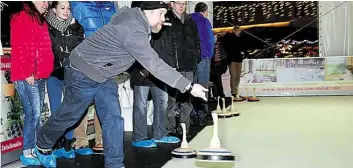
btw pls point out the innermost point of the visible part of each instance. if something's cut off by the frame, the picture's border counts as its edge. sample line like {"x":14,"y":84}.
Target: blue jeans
{"x":55,"y":89}
{"x":203,"y":71}
{"x":32,"y":99}
{"x":160,"y":99}
{"x":202,"y":77}
{"x":79,"y":93}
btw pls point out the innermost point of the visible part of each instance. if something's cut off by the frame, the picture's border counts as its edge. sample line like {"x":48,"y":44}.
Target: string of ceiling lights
{"x":240,"y":13}
{"x":300,"y":6}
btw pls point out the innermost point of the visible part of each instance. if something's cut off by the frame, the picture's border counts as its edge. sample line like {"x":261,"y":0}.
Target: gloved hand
{"x":198,"y":90}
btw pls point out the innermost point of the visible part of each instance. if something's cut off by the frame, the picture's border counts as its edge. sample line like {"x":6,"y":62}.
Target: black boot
{"x":69,"y":144}
{"x":59,"y":144}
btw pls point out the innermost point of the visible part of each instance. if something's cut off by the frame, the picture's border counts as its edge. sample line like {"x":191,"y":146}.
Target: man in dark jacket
{"x":234,"y":45}
{"x":179,"y":41}
{"x":94,"y":64}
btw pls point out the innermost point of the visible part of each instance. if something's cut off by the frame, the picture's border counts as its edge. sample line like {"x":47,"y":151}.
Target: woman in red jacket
{"x":31,"y":64}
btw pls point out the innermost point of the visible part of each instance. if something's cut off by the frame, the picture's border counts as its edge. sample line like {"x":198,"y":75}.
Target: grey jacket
{"x":112,"y":49}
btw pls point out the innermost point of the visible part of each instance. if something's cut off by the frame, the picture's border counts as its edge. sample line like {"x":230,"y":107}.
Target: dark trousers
{"x":79,"y":93}
{"x":55,"y":89}
{"x":179,"y":103}
{"x":217,"y":80}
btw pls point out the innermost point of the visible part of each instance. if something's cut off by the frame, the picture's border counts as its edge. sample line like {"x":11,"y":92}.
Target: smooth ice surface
{"x":295,"y":132}
{"x":303,"y":132}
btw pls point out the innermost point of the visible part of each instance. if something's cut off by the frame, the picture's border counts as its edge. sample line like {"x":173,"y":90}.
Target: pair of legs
{"x":235,"y":72}
{"x":55,"y":93}
{"x":80,"y":91}
{"x":217,"y":80}
{"x":160,"y":99}
{"x":202,"y":77}
{"x":32,"y":100}
{"x":55,"y":89}
{"x":81,"y":143}
{"x":178,"y":102}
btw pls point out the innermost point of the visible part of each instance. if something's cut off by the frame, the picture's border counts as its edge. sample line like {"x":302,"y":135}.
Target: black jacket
{"x":63,"y":44}
{"x":192,"y":41}
{"x":179,"y":42}
{"x":233,"y":46}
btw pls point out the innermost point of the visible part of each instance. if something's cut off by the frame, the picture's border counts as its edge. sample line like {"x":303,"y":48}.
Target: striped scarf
{"x":220,"y":62}
{"x":60,"y":25}
{"x":219,"y":53}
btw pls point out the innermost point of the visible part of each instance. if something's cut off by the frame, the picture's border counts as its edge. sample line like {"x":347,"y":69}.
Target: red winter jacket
{"x":31,"y":52}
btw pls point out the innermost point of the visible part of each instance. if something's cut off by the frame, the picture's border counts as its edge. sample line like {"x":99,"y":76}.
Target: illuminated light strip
{"x":229,"y":29}
{"x":298,"y":42}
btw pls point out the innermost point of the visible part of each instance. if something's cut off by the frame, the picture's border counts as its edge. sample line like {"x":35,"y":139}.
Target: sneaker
{"x":29,"y":160}
{"x":84,"y":151}
{"x":59,"y":153}
{"x":47,"y":159}
{"x":144,"y":144}
{"x":168,"y":139}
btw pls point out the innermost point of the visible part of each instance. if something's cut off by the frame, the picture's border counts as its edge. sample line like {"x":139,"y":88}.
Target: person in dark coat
{"x":219,"y":66}
{"x":234,"y":44}
{"x":182,"y":43}
{"x":65,"y":33}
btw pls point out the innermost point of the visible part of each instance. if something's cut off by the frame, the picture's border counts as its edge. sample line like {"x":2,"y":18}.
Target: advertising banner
{"x":11,"y":111}
{"x":295,"y":77}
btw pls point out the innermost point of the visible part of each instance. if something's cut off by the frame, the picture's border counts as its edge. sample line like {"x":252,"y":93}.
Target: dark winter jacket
{"x":206,"y":35}
{"x":233,"y":46}
{"x":63,"y":44}
{"x":181,"y":43}
{"x":193,"y":43}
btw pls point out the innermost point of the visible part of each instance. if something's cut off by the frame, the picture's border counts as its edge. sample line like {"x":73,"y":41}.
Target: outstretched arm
{"x":137,"y":44}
